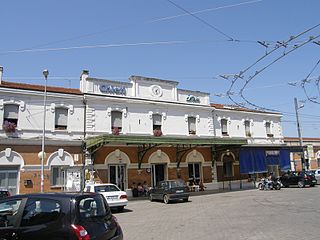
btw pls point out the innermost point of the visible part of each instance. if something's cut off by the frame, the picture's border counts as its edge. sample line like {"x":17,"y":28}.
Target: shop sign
{"x":273,"y":153}
{"x":109,"y":89}
{"x":193,"y":99}
{"x":310,"y":151}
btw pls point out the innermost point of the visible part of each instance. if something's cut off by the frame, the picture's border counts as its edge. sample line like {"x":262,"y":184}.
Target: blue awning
{"x":256,"y":160}
{"x":252,"y":161}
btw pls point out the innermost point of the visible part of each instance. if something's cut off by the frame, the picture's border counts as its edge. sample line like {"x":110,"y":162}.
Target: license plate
{"x":112,"y":198}
{"x":179,"y":191}
{"x":313,"y":180}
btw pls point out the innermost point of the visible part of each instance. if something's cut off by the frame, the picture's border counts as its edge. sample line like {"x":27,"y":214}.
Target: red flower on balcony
{"x":9,"y":127}
{"x":157,"y":132}
{"x":115,"y":131}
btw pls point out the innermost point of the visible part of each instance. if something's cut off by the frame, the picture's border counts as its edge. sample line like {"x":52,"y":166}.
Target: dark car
{"x":300,"y":179}
{"x":4,"y":193}
{"x":53,"y":216}
{"x":170,"y":190}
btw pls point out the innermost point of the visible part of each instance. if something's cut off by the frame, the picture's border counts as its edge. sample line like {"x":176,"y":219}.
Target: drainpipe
{"x":84,"y":146}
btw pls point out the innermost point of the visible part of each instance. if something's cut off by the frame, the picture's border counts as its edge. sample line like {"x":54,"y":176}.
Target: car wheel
{"x":278,"y":186}
{"x":300,"y":184}
{"x":186,"y":199}
{"x":166,"y":199}
{"x":120,"y":209}
{"x":150,"y":197}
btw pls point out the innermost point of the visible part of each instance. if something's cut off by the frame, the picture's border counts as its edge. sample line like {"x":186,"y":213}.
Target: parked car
{"x":4,"y":193}
{"x":317,"y":175}
{"x":53,"y":216}
{"x":170,"y":190}
{"x":301,"y":179}
{"x":114,"y":196}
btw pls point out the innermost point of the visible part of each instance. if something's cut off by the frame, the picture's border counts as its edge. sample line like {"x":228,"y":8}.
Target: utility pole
{"x":299,"y":133}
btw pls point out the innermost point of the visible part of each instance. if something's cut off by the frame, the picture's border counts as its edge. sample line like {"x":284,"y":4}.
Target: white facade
{"x":137,"y":100}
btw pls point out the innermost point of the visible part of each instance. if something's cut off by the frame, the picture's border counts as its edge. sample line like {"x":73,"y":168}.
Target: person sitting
{"x":134,"y":190}
{"x":140,"y":190}
{"x":201,"y":186}
{"x":191,"y":186}
{"x":145,"y":188}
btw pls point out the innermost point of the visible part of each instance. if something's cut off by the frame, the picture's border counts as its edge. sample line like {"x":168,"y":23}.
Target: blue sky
{"x":158,"y":39}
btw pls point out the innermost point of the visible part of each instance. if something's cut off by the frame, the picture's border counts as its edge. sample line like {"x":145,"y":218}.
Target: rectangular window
{"x":224,"y":127}
{"x":268,"y":129}
{"x":247,"y":128}
{"x":116,"y":120}
{"x":9,"y":213}
{"x":157,"y":121}
{"x":11,"y":113}
{"x":61,"y":118}
{"x":57,"y":176}
{"x":192,"y":125}
{"x":93,"y":207}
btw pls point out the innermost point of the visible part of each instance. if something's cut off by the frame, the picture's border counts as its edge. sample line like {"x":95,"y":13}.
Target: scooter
{"x":266,"y":184}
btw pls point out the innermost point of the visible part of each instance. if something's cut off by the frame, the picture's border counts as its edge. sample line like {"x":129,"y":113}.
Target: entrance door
{"x":9,"y":179}
{"x":158,"y":173}
{"x":117,"y":175}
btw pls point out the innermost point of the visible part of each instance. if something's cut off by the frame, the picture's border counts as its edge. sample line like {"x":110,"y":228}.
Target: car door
{"x":158,"y":191}
{"x":45,"y":218}
{"x":10,"y":214}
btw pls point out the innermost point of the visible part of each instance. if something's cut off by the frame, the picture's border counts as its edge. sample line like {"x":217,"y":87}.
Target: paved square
{"x":291,"y":213}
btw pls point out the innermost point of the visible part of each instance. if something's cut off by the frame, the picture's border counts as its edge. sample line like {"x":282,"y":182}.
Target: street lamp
{"x":299,"y":132}
{"x":42,"y":153}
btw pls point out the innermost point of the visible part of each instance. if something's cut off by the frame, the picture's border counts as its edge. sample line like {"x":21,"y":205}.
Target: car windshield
{"x":175,"y":184}
{"x":92,"y":206}
{"x":106,"y":188}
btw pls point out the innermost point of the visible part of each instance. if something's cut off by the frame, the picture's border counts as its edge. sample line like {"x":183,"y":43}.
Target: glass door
{"x":117,"y":175}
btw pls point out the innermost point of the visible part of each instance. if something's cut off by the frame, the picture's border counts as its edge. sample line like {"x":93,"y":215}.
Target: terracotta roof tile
{"x":235,"y":108}
{"x":34,"y":87}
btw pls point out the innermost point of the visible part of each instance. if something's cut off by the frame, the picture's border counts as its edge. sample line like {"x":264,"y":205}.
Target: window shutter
{"x":11,"y":111}
{"x":116,"y":119}
{"x":192,"y":123}
{"x":61,"y":116}
{"x":156,"y":119}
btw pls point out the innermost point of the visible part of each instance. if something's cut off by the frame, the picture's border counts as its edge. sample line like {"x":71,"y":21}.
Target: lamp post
{"x":299,"y":132}
{"x":42,"y":153}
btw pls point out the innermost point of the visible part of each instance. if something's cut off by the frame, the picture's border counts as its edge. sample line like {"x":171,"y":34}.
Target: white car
{"x":114,"y":196}
{"x":317,"y":175}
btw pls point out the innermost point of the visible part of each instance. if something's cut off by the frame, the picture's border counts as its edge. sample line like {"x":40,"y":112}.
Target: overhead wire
{"x":304,"y":81}
{"x":203,"y":21}
{"x":241,"y":76}
{"x":268,"y":65}
{"x":135,"y":24}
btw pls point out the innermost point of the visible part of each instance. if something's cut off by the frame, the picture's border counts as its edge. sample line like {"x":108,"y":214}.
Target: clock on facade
{"x":156,"y":91}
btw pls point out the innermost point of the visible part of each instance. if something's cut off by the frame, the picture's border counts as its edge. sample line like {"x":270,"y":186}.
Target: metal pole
{"x":299,"y":133}
{"x":45,"y":73}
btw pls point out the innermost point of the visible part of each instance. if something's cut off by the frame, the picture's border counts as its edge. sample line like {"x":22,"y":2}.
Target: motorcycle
{"x":267,"y":184}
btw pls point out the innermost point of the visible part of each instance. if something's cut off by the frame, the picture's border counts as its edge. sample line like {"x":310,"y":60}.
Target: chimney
{"x":1,"y":73}
{"x":83,"y":80}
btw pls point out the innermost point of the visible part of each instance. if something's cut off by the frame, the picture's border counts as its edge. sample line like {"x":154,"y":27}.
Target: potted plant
{"x":115,"y":131}
{"x":9,"y":127}
{"x":157,"y":132}
{"x":192,"y":132}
